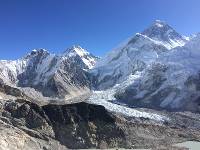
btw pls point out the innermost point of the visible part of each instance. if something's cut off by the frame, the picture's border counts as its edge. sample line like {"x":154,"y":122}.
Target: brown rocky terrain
{"x":26,"y":125}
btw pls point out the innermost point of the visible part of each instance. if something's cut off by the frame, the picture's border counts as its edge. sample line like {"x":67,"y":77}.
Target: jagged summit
{"x":157,"y":68}
{"x":137,"y":54}
{"x":36,"y":52}
{"x":160,"y":23}
{"x":39,"y":50}
{"x":83,"y":55}
{"x":163,"y":32}
{"x":76,"y":50}
{"x":157,"y":26}
{"x":53,"y":75}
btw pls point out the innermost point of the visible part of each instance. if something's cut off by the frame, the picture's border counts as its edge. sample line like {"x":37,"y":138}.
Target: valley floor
{"x":191,"y":145}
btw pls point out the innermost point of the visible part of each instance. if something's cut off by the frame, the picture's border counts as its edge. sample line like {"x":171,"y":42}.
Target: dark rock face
{"x":86,"y":125}
{"x":68,"y":74}
{"x":76,"y":126}
{"x":10,"y":90}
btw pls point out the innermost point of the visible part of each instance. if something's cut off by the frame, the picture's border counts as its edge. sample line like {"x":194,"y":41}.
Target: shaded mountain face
{"x":53,"y":75}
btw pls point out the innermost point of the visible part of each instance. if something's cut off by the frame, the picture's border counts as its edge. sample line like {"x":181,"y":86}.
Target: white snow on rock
{"x":136,"y":53}
{"x":10,"y":69}
{"x":88,"y":59}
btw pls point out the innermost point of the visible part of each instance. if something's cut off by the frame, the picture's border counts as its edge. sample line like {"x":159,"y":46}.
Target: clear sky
{"x":97,"y":25}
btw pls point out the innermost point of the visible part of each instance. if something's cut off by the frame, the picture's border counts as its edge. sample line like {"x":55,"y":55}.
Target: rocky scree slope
{"x":26,"y":125}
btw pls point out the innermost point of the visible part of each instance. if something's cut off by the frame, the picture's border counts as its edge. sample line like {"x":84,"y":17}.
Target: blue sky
{"x":97,"y":25}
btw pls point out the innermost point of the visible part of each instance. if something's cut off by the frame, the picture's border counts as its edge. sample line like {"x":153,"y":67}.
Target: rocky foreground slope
{"x":26,"y":125}
{"x":31,"y":124}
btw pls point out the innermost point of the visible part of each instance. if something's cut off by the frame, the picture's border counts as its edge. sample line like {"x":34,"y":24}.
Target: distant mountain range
{"x":41,"y":74}
{"x":157,"y":68}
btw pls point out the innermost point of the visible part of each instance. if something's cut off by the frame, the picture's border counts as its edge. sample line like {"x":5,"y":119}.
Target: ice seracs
{"x":98,"y":97}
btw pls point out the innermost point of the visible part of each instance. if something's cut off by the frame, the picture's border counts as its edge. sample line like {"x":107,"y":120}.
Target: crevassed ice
{"x":98,"y":98}
{"x":104,"y":98}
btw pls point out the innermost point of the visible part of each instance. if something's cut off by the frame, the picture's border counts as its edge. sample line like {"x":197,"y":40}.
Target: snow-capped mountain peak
{"x":159,"y":23}
{"x":159,"y":27}
{"x":158,"y":68}
{"x":162,"y":32}
{"x":52,"y":75}
{"x":88,"y":59}
{"x":76,"y":50}
{"x":137,"y":53}
{"x":36,"y":52}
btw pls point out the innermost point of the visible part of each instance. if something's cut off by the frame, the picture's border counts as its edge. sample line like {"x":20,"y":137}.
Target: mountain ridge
{"x":142,"y":72}
{"x":52,"y":75}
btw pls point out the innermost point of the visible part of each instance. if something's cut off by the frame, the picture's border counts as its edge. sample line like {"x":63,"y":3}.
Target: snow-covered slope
{"x":53,"y":75}
{"x":9,"y":70}
{"x":157,"y":68}
{"x":165,"y":35}
{"x":136,"y":54}
{"x":172,"y":81}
